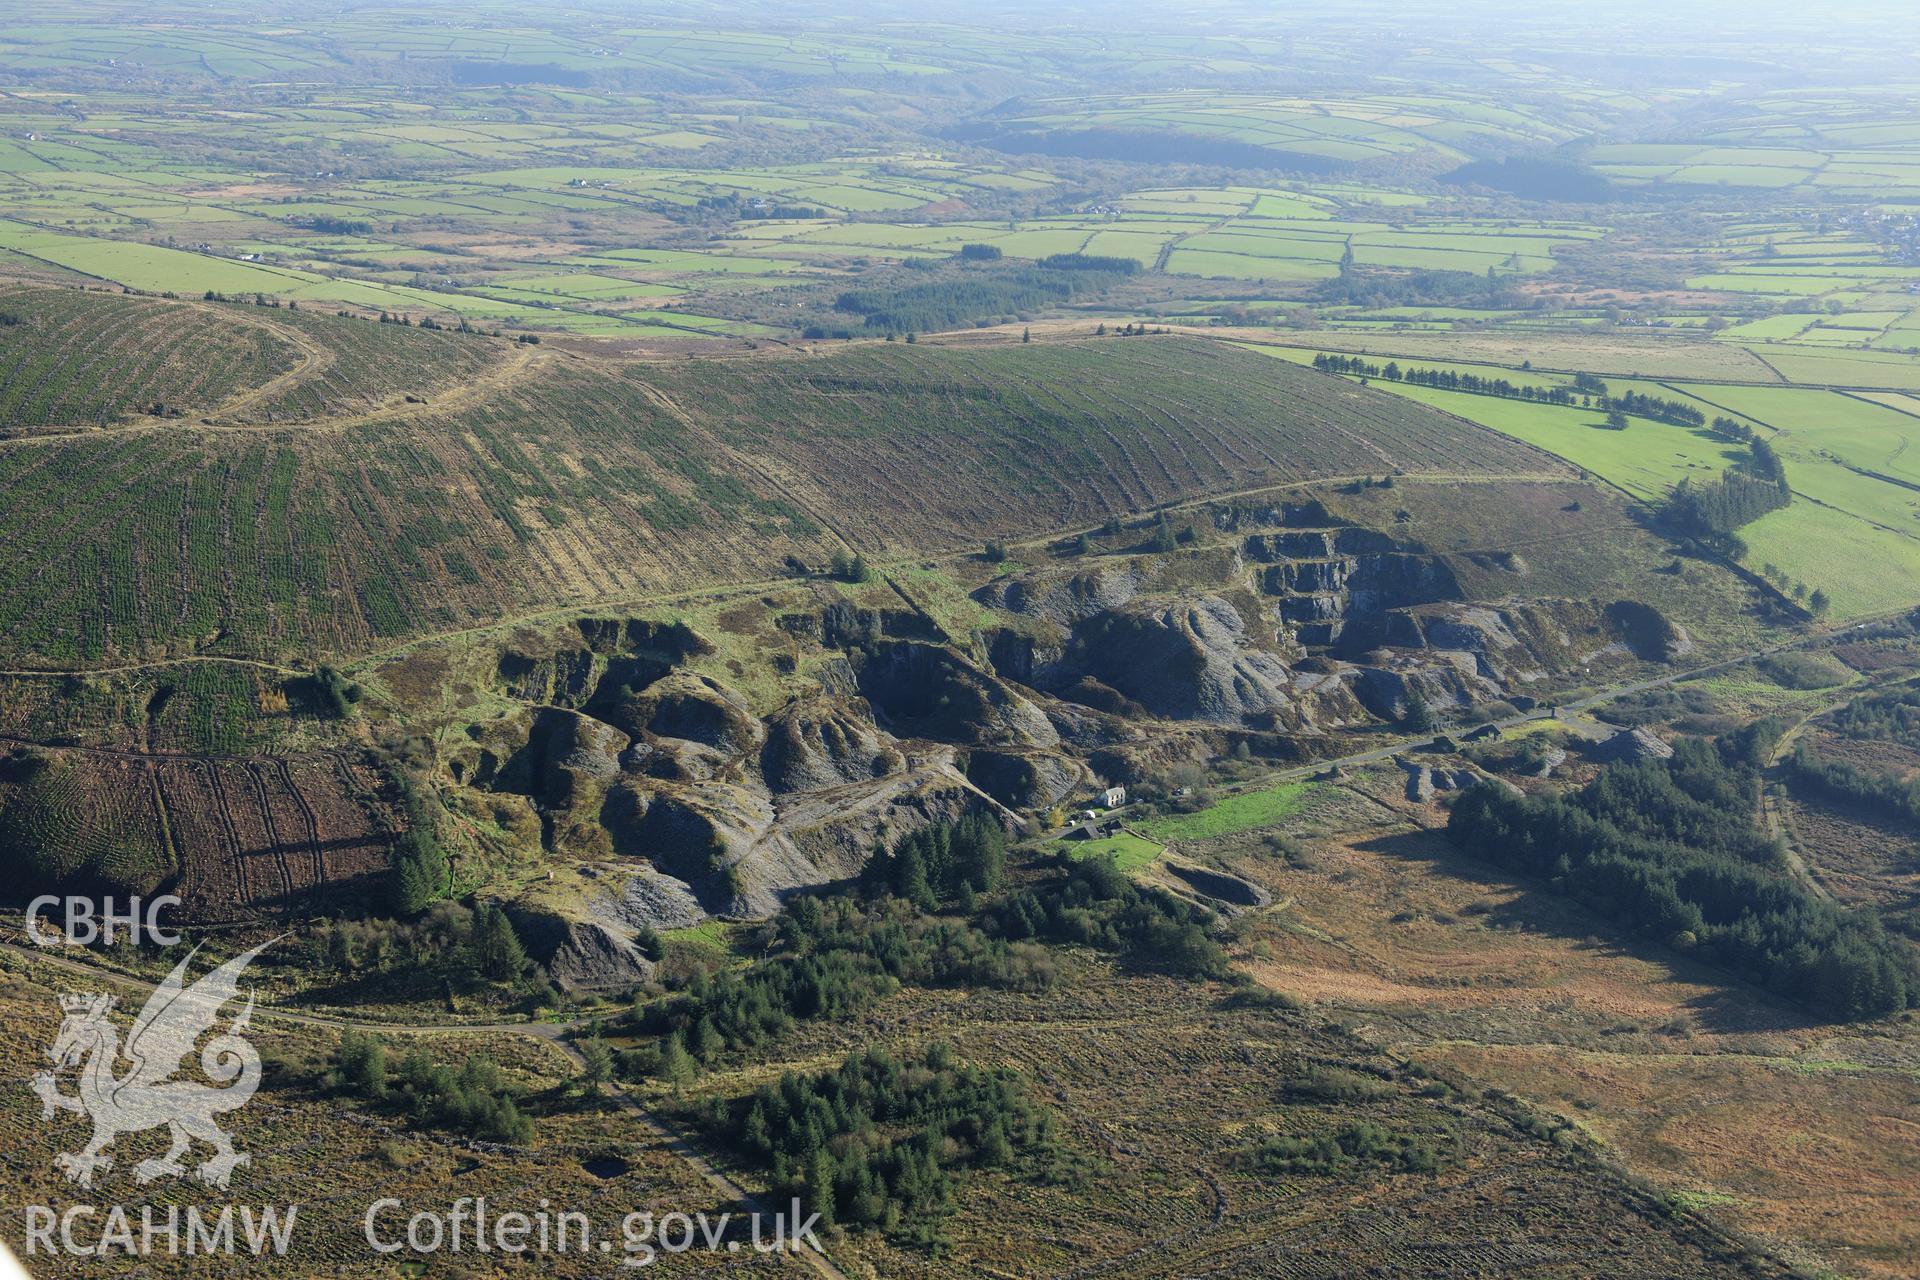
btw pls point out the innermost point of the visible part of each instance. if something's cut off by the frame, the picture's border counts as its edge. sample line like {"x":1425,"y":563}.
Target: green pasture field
{"x":1129,"y":852}
{"x":1236,"y":266}
{"x":1248,"y":811}
{"x":1841,"y":516}
{"x":1775,"y":282}
{"x":1829,"y":425}
{"x":1772,"y":328}
{"x":1142,"y":247}
{"x":1604,"y":353}
{"x":1646,"y":460}
{"x":1893,"y":400}
{"x":1873,"y":370}
{"x":1243,"y":244}
{"x":1863,"y":568}
{"x":1830,"y":440}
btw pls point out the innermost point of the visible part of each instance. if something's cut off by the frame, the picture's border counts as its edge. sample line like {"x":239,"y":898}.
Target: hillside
{"x":570,"y":480}
{"x":72,"y":358}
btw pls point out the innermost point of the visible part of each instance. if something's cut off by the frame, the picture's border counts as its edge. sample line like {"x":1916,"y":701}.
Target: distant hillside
{"x":577,"y":480}
{"x":1144,"y":146}
{"x":1554,"y":180}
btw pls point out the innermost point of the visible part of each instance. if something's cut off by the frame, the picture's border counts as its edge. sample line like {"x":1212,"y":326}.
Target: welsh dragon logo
{"x":145,"y":1096}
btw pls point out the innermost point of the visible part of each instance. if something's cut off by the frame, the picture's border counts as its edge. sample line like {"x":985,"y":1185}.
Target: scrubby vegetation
{"x":880,"y":1141}
{"x":448,"y":948}
{"x":1093,"y":903}
{"x":474,"y":1100}
{"x":1878,"y":790}
{"x":1348,"y":1151}
{"x":1886,"y":717}
{"x":829,"y":958}
{"x":955,"y":298}
{"x":1417,"y":288}
{"x":1669,"y":849}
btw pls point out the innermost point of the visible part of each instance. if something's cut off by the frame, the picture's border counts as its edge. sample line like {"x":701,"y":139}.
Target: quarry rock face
{"x":1647,"y":631}
{"x":1118,"y":667}
{"x":1444,"y":679}
{"x":1025,"y":781}
{"x":824,"y":743}
{"x":564,"y":760}
{"x":688,"y":707}
{"x":1191,"y":660}
{"x":580,"y":955}
{"x":924,"y":690}
{"x":1067,"y":599}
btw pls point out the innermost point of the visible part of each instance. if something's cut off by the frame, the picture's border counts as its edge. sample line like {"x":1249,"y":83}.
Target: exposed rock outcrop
{"x":1630,"y":745}
{"x":581,"y":955}
{"x":931,"y":691}
{"x":690,"y":708}
{"x":1184,"y":661}
{"x":825,"y":743}
{"x":1025,"y":781}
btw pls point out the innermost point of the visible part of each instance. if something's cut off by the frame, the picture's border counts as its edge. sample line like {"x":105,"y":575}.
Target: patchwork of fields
{"x":1855,"y":530}
{"x":624,"y":529}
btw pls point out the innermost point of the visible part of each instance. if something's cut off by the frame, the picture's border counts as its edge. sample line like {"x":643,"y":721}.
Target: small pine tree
{"x":1419,"y":717}
{"x":497,"y":953}
{"x":419,"y":875}
{"x":676,"y":1064}
{"x":596,"y":1061}
{"x":360,"y":1064}
{"x":1026,"y":335}
{"x":820,"y":1189}
{"x":910,"y":876}
{"x":1164,"y":538}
